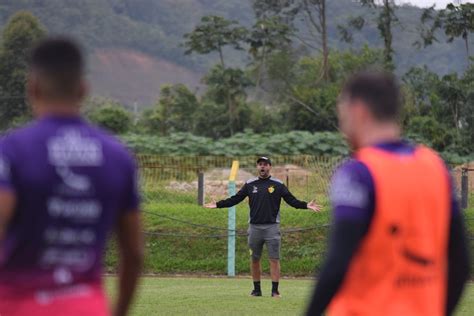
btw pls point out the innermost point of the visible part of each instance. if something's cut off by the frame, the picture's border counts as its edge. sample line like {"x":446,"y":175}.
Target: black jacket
{"x":264,"y":199}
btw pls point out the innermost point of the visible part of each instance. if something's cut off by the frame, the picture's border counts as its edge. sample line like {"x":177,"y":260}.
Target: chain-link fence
{"x":183,"y":237}
{"x":177,"y":177}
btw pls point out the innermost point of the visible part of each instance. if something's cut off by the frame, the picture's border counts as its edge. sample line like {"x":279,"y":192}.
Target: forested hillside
{"x":157,"y":28}
{"x":149,"y":26}
{"x":268,"y":69}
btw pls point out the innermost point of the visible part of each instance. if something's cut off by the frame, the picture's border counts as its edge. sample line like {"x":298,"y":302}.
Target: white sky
{"x":440,"y":4}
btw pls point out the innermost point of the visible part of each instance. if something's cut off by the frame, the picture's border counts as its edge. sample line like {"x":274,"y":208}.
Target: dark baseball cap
{"x":266,"y":159}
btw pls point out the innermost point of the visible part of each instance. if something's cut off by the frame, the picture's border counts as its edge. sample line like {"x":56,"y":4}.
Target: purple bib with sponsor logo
{"x":71,"y":181}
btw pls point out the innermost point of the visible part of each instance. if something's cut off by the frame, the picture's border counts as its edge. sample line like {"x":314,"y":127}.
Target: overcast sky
{"x":440,"y":4}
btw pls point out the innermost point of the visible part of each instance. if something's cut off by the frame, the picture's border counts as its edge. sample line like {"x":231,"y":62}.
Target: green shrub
{"x":241,"y":144}
{"x":111,"y":117}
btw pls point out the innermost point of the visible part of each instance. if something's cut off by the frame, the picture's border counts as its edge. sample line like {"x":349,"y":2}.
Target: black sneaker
{"x":276,"y":294}
{"x":256,"y":293}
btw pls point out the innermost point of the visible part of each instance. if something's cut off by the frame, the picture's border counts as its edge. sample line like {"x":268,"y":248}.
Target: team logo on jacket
{"x":254,"y":189}
{"x":271,"y":189}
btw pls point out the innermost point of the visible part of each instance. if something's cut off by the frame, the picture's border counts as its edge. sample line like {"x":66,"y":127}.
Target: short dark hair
{"x":59,"y":63}
{"x":378,"y":90}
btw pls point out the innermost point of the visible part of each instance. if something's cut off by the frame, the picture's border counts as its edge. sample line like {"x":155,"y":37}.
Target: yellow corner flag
{"x":234,"y":170}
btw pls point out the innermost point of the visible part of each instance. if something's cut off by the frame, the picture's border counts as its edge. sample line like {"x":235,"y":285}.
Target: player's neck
{"x":57,"y":109}
{"x":379,"y":133}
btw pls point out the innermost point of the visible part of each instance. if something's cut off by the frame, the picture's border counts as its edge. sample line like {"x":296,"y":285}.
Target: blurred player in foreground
{"x":397,"y":245}
{"x":265,"y":194}
{"x":64,"y":186}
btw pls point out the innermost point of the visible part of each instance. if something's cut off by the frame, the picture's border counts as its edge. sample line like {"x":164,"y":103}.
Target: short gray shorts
{"x":264,"y":234}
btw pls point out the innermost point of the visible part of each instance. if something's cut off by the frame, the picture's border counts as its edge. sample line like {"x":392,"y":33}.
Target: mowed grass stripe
{"x":222,"y":296}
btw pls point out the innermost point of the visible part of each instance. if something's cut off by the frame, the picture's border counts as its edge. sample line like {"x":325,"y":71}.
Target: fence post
{"x":231,"y":223}
{"x":200,"y":197}
{"x":464,"y":188}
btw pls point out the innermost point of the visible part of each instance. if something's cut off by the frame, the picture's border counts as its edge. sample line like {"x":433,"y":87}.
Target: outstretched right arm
{"x":8,"y":197}
{"x":235,"y":199}
{"x":130,"y":243}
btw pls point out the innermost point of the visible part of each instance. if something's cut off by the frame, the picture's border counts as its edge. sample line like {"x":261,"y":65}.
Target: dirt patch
{"x":183,"y":187}
{"x":291,"y":173}
{"x":215,"y":183}
{"x":216,"y":180}
{"x":223,"y":174}
{"x":131,"y":76}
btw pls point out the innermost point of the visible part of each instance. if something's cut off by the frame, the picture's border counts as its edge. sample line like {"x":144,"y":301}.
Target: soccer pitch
{"x":222,"y":296}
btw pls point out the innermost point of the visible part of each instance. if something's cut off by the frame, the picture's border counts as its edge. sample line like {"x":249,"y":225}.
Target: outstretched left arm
{"x":293,"y":201}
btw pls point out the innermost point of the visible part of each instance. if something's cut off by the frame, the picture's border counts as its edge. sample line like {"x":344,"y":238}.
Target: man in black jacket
{"x":265,"y":194}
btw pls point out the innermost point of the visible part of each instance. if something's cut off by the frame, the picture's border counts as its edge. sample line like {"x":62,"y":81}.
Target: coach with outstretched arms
{"x":397,"y":245}
{"x":265,"y":194}
{"x":64,"y":186}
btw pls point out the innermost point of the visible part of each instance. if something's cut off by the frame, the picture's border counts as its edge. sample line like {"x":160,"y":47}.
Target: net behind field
{"x":307,"y":175}
{"x":304,"y":174}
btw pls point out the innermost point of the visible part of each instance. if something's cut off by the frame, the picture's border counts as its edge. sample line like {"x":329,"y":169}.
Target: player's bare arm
{"x":7,"y":206}
{"x":130,"y":242}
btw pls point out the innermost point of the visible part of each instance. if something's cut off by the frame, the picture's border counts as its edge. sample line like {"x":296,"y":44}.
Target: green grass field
{"x":173,"y":254}
{"x":222,"y":296}
{"x":173,"y":251}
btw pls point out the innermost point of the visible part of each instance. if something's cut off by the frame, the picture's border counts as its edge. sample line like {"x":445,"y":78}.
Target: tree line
{"x":291,"y":81}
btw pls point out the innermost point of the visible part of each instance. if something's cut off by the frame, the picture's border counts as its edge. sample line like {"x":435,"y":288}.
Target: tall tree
{"x":20,"y":33}
{"x":228,"y":84}
{"x":457,"y":21}
{"x":385,"y":18}
{"x":213,"y":34}
{"x":468,"y":110}
{"x":267,"y":36}
{"x":441,"y":108}
{"x":313,"y":15}
{"x":285,"y":10}
{"x":175,"y":109}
